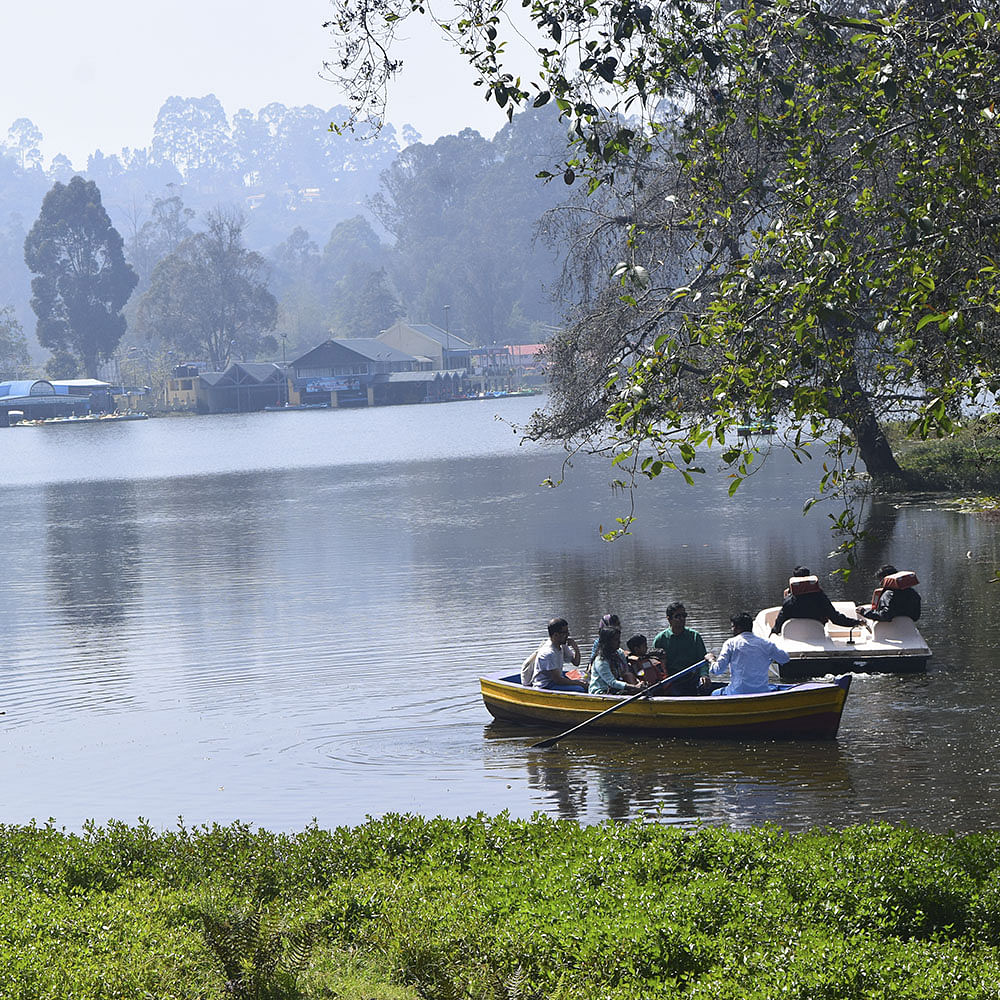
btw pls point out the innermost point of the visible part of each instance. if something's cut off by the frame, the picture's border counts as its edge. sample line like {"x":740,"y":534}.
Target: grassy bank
{"x":967,"y":461}
{"x":493,"y":908}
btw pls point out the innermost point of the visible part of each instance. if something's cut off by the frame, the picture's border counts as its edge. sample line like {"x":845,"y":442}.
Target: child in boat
{"x":605,"y":667}
{"x":646,"y":667}
{"x":620,"y":665}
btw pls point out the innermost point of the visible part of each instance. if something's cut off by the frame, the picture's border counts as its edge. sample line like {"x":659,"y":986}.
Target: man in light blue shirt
{"x":748,"y":657}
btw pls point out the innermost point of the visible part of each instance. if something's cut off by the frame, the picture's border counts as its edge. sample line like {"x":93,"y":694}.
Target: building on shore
{"x":180,"y":391}
{"x":443,"y":351}
{"x":367,"y":372}
{"x":348,"y":372}
{"x":244,"y":387}
{"x":35,"y":399}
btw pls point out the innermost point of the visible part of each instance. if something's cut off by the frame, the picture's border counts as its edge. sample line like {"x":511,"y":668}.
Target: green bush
{"x":969,"y":460}
{"x":499,"y":909}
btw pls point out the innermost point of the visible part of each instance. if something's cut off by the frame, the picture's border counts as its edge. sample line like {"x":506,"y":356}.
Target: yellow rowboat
{"x":809,"y":711}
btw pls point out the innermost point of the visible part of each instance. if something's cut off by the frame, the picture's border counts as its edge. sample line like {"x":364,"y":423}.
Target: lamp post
{"x":236,"y":379}
{"x":447,"y":339}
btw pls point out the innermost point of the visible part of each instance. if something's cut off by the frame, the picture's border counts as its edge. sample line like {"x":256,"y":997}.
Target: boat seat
{"x":901,"y":627}
{"x":803,"y":630}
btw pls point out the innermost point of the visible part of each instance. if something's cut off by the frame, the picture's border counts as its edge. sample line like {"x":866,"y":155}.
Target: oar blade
{"x":545,"y":744}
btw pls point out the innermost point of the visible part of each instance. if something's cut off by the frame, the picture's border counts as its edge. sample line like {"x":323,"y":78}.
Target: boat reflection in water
{"x":680,"y":781}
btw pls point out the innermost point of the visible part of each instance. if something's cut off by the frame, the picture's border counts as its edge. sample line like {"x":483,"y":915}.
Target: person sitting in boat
{"x":682,"y":647}
{"x":805,"y":599}
{"x":893,"y":597}
{"x":623,"y":668}
{"x":748,"y":658}
{"x":551,"y":657}
{"x":605,"y":676}
{"x":647,"y":667}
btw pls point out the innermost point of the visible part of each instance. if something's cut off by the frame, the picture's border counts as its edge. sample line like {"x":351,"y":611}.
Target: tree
{"x":14,"y":356}
{"x":167,"y":228}
{"x":63,"y":364}
{"x":194,"y":135}
{"x":209,"y":298}
{"x":463,"y":213}
{"x":23,"y":140}
{"x":801,"y":203}
{"x":81,"y":281}
{"x":364,"y":305}
{"x":303,"y":311}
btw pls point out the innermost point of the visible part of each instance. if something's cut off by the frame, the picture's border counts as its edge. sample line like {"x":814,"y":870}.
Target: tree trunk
{"x":857,"y":414}
{"x":875,"y":450}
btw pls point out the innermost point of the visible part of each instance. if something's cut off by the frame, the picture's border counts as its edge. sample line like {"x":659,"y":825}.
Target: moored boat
{"x":817,"y":649}
{"x":86,"y":419}
{"x":808,"y":711}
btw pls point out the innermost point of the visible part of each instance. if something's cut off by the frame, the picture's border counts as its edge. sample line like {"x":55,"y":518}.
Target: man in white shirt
{"x":748,"y":658}
{"x":551,"y":658}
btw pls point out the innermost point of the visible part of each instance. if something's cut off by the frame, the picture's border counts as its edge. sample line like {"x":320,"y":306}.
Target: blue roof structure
{"x":28,"y":393}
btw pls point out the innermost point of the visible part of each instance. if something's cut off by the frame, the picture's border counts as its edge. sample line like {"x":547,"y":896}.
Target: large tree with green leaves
{"x":209,"y":298}
{"x":81,"y":281}
{"x":794,"y":212}
{"x":14,"y":357}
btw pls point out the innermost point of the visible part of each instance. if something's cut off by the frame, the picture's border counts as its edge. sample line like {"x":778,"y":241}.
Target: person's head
{"x":742,"y":621}
{"x":607,"y":641}
{"x":676,"y":616}
{"x":887,"y":570}
{"x":610,"y":621}
{"x":637,"y":644}
{"x":801,"y":571}
{"x":559,"y":630}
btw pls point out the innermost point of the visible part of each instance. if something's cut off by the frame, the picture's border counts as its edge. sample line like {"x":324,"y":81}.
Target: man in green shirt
{"x":682,"y":647}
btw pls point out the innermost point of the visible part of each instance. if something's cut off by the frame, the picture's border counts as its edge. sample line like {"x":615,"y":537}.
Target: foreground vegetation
{"x":969,"y":459}
{"x":496,"y":908}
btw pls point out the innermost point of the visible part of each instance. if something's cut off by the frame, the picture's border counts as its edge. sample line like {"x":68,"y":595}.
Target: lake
{"x":278,"y":617}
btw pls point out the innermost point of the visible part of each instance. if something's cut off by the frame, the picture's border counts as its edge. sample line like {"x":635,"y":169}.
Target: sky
{"x":93,"y":76}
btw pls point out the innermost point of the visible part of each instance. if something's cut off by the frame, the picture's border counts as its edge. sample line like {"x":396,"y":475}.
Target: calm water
{"x":277,"y":617}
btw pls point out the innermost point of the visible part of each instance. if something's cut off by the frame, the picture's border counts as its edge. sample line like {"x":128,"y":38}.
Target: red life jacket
{"x":897,"y":581}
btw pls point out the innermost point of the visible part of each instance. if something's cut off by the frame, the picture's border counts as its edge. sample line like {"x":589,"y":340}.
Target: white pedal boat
{"x":817,"y":649}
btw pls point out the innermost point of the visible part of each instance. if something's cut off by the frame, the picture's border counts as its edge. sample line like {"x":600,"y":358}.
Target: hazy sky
{"x":93,"y":76}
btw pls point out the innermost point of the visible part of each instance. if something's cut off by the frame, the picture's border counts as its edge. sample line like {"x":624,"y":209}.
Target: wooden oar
{"x":666,"y":682}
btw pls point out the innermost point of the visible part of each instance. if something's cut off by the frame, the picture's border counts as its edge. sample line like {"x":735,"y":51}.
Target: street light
{"x":447,"y":338}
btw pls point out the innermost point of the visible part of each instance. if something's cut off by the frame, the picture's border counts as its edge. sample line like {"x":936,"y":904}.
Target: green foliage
{"x":497,"y":908}
{"x":82,"y":281}
{"x":63,"y":364}
{"x":968,"y":459}
{"x":209,"y":298}
{"x":14,"y":357}
{"x":260,"y":955}
{"x":791,"y":214}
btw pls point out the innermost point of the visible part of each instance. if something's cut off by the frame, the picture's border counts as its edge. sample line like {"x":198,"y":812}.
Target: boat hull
{"x":815,"y":649}
{"x":807,"y":711}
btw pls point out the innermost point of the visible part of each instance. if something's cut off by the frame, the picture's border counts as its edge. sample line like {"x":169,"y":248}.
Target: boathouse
{"x":38,"y":398}
{"x":357,"y":372}
{"x":244,"y":387}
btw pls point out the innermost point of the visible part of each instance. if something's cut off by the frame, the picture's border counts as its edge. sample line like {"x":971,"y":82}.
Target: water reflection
{"x":286,"y":624}
{"x":683,"y":781}
{"x":94,"y":557}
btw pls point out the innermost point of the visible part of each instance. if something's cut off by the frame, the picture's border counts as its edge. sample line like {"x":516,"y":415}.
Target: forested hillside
{"x":355,"y":230}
